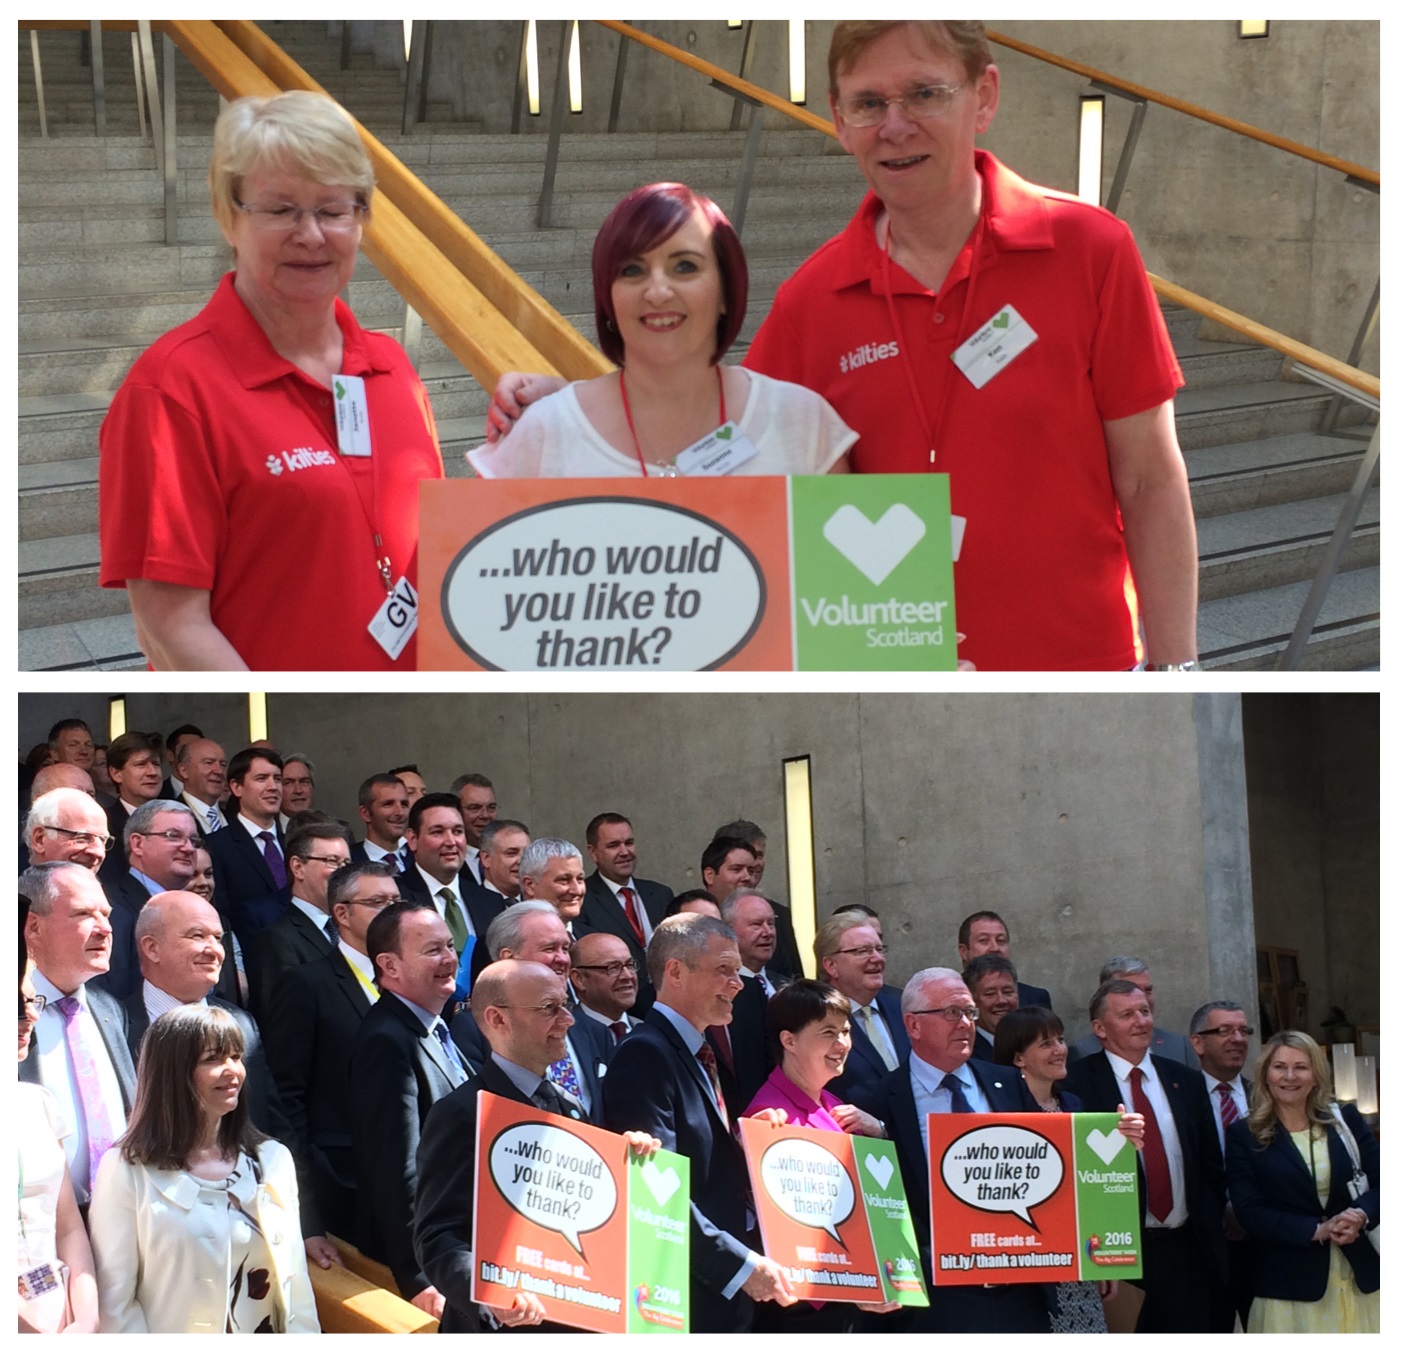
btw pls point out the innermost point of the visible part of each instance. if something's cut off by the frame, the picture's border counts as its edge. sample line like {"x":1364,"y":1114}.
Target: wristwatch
{"x":1186,"y":666}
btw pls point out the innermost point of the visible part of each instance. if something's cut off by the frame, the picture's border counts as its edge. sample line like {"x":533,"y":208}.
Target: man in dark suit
{"x":533,"y":930}
{"x":306,"y":931}
{"x":1167,"y":1044}
{"x":787,"y":960}
{"x":317,"y":1009}
{"x":552,"y":869}
{"x":503,"y":842}
{"x":201,"y":775}
{"x":477,"y":797}
{"x":851,"y":957}
{"x":604,"y":977}
{"x":1220,"y":1034}
{"x":745,"y":1054}
{"x":174,"y":743}
{"x":436,"y":837}
{"x":403,"y":1060}
{"x":384,"y":808}
{"x":70,"y":941}
{"x":663,"y":1082}
{"x":616,"y":900}
{"x":134,"y":772}
{"x":1184,"y":1190}
{"x":984,"y":933}
{"x":65,"y":824}
{"x":250,"y":867}
{"x":522,"y":1041}
{"x":941,"y":1077}
{"x":992,"y":980}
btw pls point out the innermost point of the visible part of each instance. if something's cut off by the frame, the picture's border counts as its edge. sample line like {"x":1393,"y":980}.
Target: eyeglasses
{"x":337,"y":218}
{"x":82,"y":839}
{"x":865,"y":952}
{"x":367,"y":903}
{"x":36,"y":1004}
{"x":951,"y":1014}
{"x":922,"y":103}
{"x":1230,"y":1032}
{"x":170,"y":836}
{"x":335,"y":863}
{"x":612,"y":969}
{"x":548,"y":1010}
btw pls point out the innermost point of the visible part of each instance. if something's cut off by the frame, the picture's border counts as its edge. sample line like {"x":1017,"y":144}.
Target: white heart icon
{"x":881,"y":1169}
{"x":874,"y":549}
{"x":663,"y":1184}
{"x":1105,"y":1146}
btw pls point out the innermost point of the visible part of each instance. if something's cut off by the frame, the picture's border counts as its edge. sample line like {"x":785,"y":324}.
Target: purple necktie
{"x":274,"y":859}
{"x":98,"y":1121}
{"x":562,"y":1074}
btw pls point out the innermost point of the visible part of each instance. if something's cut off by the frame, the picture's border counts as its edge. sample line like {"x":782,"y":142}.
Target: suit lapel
{"x":608,"y":913}
{"x":249,"y":846}
{"x":344,"y":979}
{"x":691,"y":1063}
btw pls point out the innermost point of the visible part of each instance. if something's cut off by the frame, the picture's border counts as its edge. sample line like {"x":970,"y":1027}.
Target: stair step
{"x":1253,"y":473}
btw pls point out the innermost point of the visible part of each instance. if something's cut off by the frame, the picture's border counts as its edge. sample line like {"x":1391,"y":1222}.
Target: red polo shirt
{"x":1042,"y":581}
{"x":220,"y":471}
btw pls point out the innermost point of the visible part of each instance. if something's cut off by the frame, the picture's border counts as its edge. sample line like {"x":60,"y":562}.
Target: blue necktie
{"x":959,"y":1104}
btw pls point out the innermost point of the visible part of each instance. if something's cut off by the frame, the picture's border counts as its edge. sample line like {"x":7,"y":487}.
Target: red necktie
{"x":706,"y":1055}
{"x":1229,"y":1113}
{"x":630,"y":908}
{"x":1155,"y":1162}
{"x":722,"y":1039}
{"x":619,"y":1030}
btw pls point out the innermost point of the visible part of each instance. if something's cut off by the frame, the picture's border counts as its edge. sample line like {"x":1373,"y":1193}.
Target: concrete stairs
{"x":97,"y":284}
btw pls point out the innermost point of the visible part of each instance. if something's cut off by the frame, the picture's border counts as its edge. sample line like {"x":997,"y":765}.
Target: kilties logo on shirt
{"x":866,"y":354}
{"x":303,"y":457}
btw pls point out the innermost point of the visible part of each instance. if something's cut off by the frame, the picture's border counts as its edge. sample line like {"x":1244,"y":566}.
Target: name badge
{"x":1000,"y":340}
{"x":397,"y":619}
{"x":721,"y":452}
{"x":957,"y":524}
{"x":352,"y":416}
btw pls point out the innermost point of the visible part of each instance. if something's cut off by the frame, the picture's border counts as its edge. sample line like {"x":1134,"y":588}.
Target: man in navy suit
{"x":477,"y":797}
{"x":941,"y":1077}
{"x":663,"y":1082}
{"x":174,"y":743}
{"x":436,"y":837}
{"x":134,"y":771}
{"x":533,"y":930}
{"x":201,"y":774}
{"x":992,"y":980}
{"x":985,"y":933}
{"x":616,"y":900}
{"x":851,"y":957}
{"x":1184,"y":1183}
{"x":250,"y":867}
{"x":384,"y":808}
{"x":787,"y":960}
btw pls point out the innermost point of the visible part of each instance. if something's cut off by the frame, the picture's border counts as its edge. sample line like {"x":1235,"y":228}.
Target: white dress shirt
{"x":434,"y":886}
{"x":1167,"y":1126}
{"x":1213,"y":1094}
{"x":638,"y":907}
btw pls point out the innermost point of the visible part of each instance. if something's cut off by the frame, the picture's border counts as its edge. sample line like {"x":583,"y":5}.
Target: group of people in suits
{"x":386,"y":982}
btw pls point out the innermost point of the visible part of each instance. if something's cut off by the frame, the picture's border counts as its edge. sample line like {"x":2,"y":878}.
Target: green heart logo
{"x":1003,"y":320}
{"x":340,"y":390}
{"x":724,"y":433}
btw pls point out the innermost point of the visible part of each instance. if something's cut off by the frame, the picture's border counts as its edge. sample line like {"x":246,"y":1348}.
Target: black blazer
{"x":592,"y":1045}
{"x":1204,"y":1176}
{"x":397,"y":1071}
{"x":358,"y":854}
{"x":1277,"y":1203}
{"x":786,"y":960}
{"x":749,"y":1046}
{"x":603,"y":913}
{"x":655,"y":1084}
{"x":128,"y":897}
{"x":1028,"y":995}
{"x":865,"y":1069}
{"x":292,"y":940}
{"x":110,"y":1016}
{"x":242,"y":879}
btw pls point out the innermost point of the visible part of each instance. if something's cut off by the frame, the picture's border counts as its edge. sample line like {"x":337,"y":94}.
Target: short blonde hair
{"x":298,"y":132}
{"x":964,"y":40}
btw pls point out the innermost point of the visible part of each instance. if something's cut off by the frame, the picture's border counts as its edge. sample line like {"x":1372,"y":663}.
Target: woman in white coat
{"x":194,"y":1213}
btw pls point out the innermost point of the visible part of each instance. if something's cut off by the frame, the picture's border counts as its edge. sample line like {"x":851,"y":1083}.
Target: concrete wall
{"x":1258,"y":230}
{"x":1094,"y":823}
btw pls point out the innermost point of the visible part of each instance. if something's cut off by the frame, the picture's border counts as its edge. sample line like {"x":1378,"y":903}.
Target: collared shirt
{"x":579,"y":1006}
{"x":360,"y":965}
{"x":526,"y":1082}
{"x":637,"y":905}
{"x":152,"y":888}
{"x":255,"y":829}
{"x":435,"y":885}
{"x":374,"y":853}
{"x":318,"y":918}
{"x":933,"y":1098}
{"x":1213,"y":1094}
{"x":202,"y":809}
{"x":431,"y":1021}
{"x":473,"y":863}
{"x":1167,"y":1126}
{"x":763,"y":976}
{"x":157,"y":1001}
{"x":877,"y":1024}
{"x":56,"y":1073}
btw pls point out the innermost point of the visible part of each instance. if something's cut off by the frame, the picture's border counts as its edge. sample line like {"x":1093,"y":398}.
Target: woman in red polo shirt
{"x":260,"y":464}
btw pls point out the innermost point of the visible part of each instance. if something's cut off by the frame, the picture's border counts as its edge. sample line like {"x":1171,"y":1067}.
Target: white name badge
{"x":352,"y":415}
{"x":1001,"y":339}
{"x":397,"y":619}
{"x":957,"y":524}
{"x":721,"y":452}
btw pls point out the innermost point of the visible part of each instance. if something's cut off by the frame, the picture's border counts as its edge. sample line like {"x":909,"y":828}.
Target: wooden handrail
{"x":713,"y":72}
{"x":1191,"y":110}
{"x":350,"y":1305}
{"x":1268,"y":337}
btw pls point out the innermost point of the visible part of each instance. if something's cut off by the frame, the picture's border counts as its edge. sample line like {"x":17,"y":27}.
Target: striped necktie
{"x":1229,"y":1113}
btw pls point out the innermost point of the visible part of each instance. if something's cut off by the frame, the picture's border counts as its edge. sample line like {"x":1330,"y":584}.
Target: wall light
{"x":532,"y":68}
{"x":116,"y":718}
{"x":734,"y":23}
{"x":802,"y":882}
{"x":1367,"y":1101}
{"x":797,"y":61}
{"x":408,"y":39}
{"x":1091,"y":161}
{"x":1345,"y":1072}
{"x":1254,"y":28}
{"x":257,"y":717}
{"x":576,"y":78}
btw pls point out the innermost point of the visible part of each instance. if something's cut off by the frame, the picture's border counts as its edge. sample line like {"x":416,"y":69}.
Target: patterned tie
{"x":722,"y":1041}
{"x":706,"y":1055}
{"x":619,"y":1029}
{"x":561,"y":1073}
{"x":333,"y":933}
{"x":1229,"y":1113}
{"x":1155,"y":1162}
{"x":273,"y":857}
{"x":459,"y":1074}
{"x":95,"y":1115}
{"x":875,"y":1033}
{"x":549,"y":1097}
{"x":214,"y":820}
{"x":452,"y":914}
{"x":629,"y":898}
{"x":958,"y":1101}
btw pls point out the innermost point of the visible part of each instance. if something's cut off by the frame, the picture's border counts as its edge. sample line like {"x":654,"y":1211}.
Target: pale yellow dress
{"x":1341,"y":1309}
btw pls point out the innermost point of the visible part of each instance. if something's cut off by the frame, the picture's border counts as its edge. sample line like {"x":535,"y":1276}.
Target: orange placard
{"x":604,"y":574}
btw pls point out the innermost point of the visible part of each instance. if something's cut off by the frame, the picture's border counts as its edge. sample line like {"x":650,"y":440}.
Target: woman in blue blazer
{"x":1297,"y":1193}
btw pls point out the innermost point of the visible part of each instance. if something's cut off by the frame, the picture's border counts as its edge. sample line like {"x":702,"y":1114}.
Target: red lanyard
{"x":906,"y":363}
{"x":627,"y":412}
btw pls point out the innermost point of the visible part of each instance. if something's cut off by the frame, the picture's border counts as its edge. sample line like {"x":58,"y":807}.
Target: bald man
{"x":61,"y":775}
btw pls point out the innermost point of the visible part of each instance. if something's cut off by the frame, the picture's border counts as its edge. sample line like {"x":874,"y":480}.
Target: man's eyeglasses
{"x":335,"y":863}
{"x":81,"y":838}
{"x":865,"y":952}
{"x":612,"y":969}
{"x":175,"y":836}
{"x":922,"y":103}
{"x":1230,"y":1032}
{"x":953,"y":1015}
{"x":34,"y":1005}
{"x":548,"y":1010}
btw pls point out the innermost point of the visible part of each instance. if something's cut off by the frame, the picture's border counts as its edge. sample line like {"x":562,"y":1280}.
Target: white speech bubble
{"x":808,"y":1184}
{"x":1003,"y":1169}
{"x":606,"y":583}
{"x":554,"y":1179}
